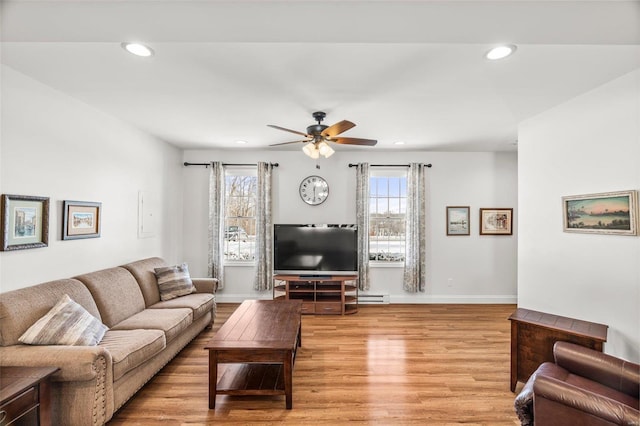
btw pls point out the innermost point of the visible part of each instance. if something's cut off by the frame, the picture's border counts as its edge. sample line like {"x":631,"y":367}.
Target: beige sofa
{"x":144,"y":334}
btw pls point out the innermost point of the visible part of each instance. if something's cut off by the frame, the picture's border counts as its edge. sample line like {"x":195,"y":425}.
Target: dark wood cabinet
{"x":337,"y":295}
{"x":534,"y":333}
{"x":25,"y":397}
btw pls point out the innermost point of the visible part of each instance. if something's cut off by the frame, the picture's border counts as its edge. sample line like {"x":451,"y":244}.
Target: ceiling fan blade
{"x":338,"y":128}
{"x":286,"y":143}
{"x":355,"y":141}
{"x":288,"y":130}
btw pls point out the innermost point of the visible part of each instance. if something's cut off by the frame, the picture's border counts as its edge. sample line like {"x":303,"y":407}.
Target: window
{"x":387,"y":209}
{"x":240,"y":216}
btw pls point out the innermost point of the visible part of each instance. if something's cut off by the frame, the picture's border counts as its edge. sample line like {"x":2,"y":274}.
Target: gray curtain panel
{"x":415,"y":271}
{"x":264,"y":224}
{"x":216,"y":222}
{"x":362,"y":218}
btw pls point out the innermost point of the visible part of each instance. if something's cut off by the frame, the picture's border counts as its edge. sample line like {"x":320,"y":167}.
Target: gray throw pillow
{"x":174,"y":281}
{"x":67,"y":323}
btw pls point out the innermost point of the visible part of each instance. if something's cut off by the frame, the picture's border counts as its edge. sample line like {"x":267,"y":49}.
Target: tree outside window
{"x":240,"y":215}
{"x":387,"y":209}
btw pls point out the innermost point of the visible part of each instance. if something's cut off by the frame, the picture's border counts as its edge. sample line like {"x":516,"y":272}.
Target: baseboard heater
{"x":373,"y":299}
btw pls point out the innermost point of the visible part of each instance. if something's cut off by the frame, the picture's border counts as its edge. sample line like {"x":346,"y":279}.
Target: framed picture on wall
{"x":614,"y":213}
{"x":25,"y":222}
{"x":496,"y":221}
{"x":458,"y":220}
{"x":81,"y":219}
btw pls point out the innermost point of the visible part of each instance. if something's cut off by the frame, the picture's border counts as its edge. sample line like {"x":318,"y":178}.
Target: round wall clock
{"x":314,"y":190}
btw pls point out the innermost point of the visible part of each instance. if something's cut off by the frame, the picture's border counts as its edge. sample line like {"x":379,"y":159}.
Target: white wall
{"x":587,"y":145}
{"x":55,"y":146}
{"x":483,"y":269}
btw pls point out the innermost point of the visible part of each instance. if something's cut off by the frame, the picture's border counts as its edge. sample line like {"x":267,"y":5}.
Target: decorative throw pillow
{"x":67,"y":323}
{"x":174,"y":281}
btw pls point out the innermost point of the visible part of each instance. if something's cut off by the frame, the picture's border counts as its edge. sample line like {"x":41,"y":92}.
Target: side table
{"x":25,"y":395}
{"x":534,"y":333}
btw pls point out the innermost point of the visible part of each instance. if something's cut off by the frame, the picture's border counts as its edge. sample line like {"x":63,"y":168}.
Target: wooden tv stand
{"x":337,"y":295}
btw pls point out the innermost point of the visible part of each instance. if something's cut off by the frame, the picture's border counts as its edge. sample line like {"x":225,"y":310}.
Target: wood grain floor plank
{"x":385,"y":365}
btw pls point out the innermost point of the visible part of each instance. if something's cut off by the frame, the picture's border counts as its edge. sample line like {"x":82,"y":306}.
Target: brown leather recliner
{"x":583,"y":387}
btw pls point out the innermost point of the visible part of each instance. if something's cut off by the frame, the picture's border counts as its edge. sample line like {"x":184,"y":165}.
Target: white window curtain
{"x":264,"y":224}
{"x":415,"y":271}
{"x":216,"y":222}
{"x":362,"y":218}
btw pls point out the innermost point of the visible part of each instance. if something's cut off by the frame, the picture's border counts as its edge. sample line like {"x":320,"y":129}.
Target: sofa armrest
{"x":577,"y":400}
{"x":205,"y":285}
{"x":616,"y":373}
{"x":76,"y":363}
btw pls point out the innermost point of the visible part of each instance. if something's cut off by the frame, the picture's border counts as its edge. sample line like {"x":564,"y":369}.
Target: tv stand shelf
{"x":337,"y":295}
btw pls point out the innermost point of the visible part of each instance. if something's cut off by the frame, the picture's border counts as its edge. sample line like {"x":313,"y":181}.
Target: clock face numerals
{"x":314,"y":190}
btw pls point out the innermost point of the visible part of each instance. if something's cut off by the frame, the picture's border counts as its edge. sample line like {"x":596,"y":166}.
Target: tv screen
{"x":315,"y":250}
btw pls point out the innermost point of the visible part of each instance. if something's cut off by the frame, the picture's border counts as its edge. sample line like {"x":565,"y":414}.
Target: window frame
{"x":231,"y":171}
{"x":388,"y":172}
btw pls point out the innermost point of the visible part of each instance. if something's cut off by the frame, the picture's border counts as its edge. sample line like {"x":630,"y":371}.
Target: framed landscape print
{"x":81,"y":219}
{"x":496,"y":221}
{"x":458,"y":220}
{"x":25,"y":222}
{"x":613,"y":213}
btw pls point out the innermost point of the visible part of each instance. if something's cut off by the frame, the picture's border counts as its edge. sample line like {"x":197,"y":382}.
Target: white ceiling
{"x":409,"y":71}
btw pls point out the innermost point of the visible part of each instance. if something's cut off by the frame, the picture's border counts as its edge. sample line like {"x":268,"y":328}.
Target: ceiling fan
{"x":318,"y":135}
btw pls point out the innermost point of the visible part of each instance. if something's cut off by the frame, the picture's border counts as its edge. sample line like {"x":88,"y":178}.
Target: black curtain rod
{"x":388,"y":165}
{"x":226,"y":164}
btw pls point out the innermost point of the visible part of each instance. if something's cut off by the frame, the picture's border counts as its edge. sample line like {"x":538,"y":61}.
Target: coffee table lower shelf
{"x":251,"y":379}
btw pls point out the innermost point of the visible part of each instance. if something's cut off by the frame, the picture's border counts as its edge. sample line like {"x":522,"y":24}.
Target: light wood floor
{"x":387,"y":364}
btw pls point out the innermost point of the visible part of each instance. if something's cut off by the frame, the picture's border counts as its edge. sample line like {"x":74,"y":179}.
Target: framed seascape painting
{"x":614,"y":213}
{"x":81,"y":219}
{"x":25,"y":222}
{"x":458,"y":220}
{"x":496,"y":221}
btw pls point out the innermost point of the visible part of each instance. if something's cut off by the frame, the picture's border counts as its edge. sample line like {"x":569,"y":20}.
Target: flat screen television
{"x":315,"y":250}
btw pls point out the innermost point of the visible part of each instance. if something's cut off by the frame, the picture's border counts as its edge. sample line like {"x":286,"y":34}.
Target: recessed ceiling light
{"x":137,"y":49}
{"x":398,"y":143}
{"x":500,"y":52}
{"x":242,"y":142}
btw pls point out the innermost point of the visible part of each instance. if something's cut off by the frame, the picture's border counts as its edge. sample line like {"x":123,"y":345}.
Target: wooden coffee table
{"x":259,"y":340}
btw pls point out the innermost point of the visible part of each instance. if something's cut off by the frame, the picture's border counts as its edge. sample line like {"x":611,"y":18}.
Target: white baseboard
{"x":455,"y":299}
{"x":398,"y":299}
{"x":239,"y":298}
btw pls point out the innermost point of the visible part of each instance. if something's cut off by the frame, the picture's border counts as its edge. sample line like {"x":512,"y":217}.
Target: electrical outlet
{"x":450,"y":282}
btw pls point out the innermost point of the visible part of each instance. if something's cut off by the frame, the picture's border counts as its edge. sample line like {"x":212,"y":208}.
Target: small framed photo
{"x":458,"y":220}
{"x":614,"y":213}
{"x":496,"y":221}
{"x":25,"y":222}
{"x":81,"y":219}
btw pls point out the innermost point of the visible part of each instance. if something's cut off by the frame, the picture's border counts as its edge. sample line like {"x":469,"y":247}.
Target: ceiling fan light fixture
{"x":311,"y":150}
{"x":308,"y":148}
{"x":325,"y":150}
{"x":501,"y":52}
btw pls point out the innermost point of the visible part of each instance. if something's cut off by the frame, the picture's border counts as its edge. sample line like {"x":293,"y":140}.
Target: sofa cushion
{"x":67,"y":323}
{"x":174,"y":281}
{"x":20,"y":309}
{"x":199,"y":303}
{"x":131,"y":348}
{"x":116,"y":293}
{"x":171,"y":321}
{"x":143,"y":272}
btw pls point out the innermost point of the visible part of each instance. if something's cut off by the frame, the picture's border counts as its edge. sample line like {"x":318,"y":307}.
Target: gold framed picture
{"x":496,"y":221}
